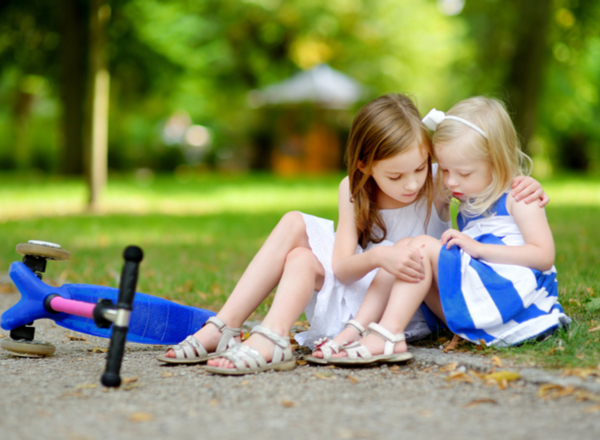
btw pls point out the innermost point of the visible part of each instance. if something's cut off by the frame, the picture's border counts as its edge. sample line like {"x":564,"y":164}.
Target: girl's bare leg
{"x":405,"y":298}
{"x":259,"y":279}
{"x":373,"y":305}
{"x":302,"y":275}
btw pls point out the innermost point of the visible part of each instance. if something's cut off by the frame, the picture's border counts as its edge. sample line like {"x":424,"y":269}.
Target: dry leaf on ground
{"x":140,"y":417}
{"x":448,"y":367}
{"x":592,"y":409}
{"x":459,"y":376}
{"x":453,"y":344}
{"x":496,"y":361}
{"x":353,"y":380}
{"x":499,"y":376}
{"x":480,"y":401}
{"x":86,"y":385}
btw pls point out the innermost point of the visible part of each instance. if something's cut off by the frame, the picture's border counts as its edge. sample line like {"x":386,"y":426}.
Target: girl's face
{"x":400,"y":177}
{"x":461,"y":173}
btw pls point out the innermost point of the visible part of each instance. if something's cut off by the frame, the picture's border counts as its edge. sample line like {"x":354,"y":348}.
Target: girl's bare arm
{"x":348,"y":266}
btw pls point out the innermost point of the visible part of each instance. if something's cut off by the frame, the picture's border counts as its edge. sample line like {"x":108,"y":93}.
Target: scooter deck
{"x":153,"y":320}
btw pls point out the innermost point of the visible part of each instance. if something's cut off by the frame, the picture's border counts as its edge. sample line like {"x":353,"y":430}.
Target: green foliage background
{"x":204,"y":56}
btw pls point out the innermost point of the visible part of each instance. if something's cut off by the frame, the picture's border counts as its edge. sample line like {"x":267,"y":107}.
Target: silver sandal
{"x":358,"y":354}
{"x":329,"y":347}
{"x":191,"y":351}
{"x":249,"y":361}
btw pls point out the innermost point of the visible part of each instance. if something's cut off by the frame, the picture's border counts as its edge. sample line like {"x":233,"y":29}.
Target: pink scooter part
{"x":72,"y":307}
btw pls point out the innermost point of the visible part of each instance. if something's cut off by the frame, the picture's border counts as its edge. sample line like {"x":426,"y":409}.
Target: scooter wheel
{"x":43,"y":249}
{"x":28,"y":348}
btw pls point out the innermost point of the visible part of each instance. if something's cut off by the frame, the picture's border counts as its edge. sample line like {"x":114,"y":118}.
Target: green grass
{"x":199,"y":232}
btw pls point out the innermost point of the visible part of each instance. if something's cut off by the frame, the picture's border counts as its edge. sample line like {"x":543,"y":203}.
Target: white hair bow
{"x":435,"y":117}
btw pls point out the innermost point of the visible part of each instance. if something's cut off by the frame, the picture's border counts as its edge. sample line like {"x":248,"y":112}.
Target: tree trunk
{"x":74,"y":49}
{"x":524,"y":80}
{"x":96,"y":144}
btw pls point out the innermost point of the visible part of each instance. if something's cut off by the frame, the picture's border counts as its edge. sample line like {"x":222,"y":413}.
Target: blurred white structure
{"x":321,"y":85}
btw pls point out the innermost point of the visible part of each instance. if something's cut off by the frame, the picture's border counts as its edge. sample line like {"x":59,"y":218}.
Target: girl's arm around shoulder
{"x":536,"y":253}
{"x":348,"y":266}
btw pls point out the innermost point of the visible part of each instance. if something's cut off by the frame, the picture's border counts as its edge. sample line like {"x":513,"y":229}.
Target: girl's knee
{"x":293,"y":223}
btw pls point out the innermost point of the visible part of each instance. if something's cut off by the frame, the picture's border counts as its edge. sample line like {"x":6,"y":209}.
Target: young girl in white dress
{"x":493,"y":282}
{"x":388,"y":194}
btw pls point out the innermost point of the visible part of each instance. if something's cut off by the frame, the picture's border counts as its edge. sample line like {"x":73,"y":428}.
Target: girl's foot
{"x":375,"y":344}
{"x":209,"y":337}
{"x":349,"y":334}
{"x":353,"y":332}
{"x":261,"y":344}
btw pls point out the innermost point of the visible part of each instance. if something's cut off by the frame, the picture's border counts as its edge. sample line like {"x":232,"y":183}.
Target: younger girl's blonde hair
{"x":501,"y":149}
{"x":383,"y":128}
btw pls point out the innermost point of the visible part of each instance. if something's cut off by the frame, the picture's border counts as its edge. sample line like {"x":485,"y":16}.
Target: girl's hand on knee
{"x":453,"y":237}
{"x":405,"y":263}
{"x":528,"y":189}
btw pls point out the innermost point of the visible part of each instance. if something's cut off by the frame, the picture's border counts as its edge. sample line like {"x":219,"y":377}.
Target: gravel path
{"x":60,"y":397}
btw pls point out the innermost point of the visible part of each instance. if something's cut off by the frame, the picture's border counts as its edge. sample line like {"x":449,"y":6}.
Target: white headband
{"x":435,"y":117}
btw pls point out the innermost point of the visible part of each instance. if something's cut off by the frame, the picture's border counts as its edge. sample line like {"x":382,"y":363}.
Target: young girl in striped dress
{"x":492,"y":282}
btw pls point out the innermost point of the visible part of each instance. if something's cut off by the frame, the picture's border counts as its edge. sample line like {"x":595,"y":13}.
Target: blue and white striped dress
{"x":501,"y":304}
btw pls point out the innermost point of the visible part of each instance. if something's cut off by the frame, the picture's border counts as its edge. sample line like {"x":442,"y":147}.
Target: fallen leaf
{"x":581,"y":372}
{"x":499,"y":376}
{"x":496,"y":361}
{"x":592,"y":409}
{"x":594,"y":329}
{"x":459,"y":376}
{"x":140,"y":417}
{"x":353,"y":380}
{"x":287,"y":403}
{"x":86,"y":385}
{"x":323,"y":376}
{"x":479,"y":401}
{"x":582,"y":395}
{"x":448,"y":367}
{"x":130,"y":386}
{"x":453,"y":344}
{"x":167,"y":374}
{"x":477,"y":374}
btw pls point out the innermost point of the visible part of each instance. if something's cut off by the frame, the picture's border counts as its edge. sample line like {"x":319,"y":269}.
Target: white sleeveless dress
{"x":336,"y":303}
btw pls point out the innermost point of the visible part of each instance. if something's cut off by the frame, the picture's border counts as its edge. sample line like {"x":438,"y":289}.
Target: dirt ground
{"x":433,"y":396}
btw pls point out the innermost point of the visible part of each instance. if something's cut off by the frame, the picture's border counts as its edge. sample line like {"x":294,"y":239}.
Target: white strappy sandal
{"x":249,"y":361}
{"x":329,"y":347}
{"x":358,"y":354}
{"x":191,"y":351}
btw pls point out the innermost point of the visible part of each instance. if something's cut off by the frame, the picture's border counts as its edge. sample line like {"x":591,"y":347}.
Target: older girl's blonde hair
{"x":501,"y":149}
{"x":383,"y":128}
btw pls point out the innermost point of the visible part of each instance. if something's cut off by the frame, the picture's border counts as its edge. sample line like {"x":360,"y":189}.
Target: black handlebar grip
{"x":133,"y":255}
